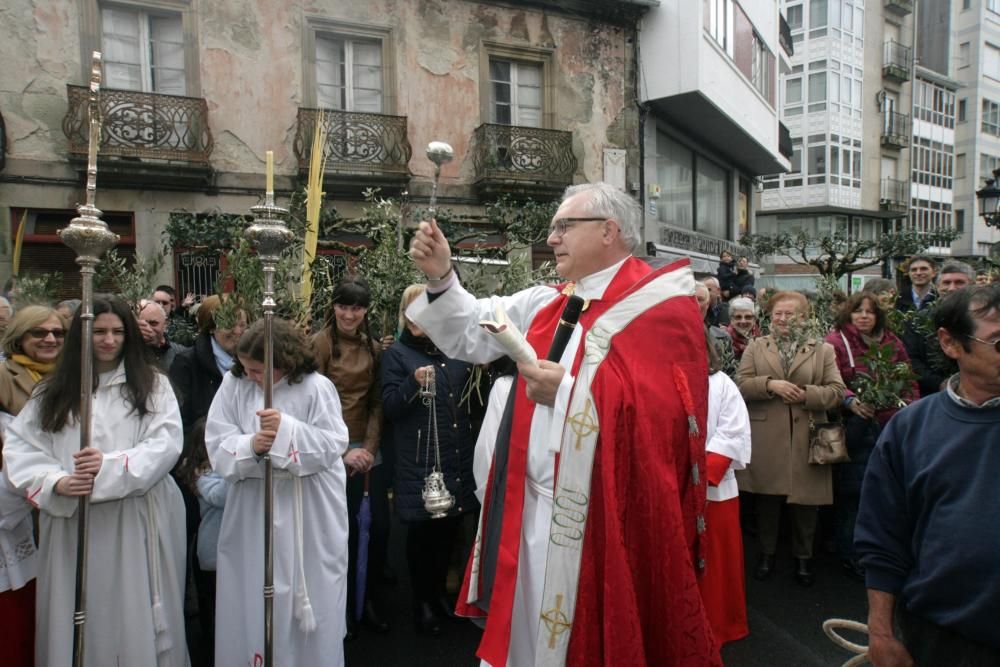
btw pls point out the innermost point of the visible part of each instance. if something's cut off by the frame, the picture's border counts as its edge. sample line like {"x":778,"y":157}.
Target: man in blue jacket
{"x":926,"y":533}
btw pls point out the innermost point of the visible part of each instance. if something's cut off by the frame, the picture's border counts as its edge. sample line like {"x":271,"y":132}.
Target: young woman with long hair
{"x":136,"y":523}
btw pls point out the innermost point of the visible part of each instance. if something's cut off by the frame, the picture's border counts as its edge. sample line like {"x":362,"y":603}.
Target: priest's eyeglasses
{"x":994,"y":342}
{"x":560,"y":226}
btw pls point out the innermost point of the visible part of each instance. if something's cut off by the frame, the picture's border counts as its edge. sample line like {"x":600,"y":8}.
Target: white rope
{"x":163,"y":640}
{"x":304,"y":611}
{"x":830,"y":627}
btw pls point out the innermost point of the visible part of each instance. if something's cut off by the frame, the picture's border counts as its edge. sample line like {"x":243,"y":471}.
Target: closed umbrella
{"x":364,"y":532}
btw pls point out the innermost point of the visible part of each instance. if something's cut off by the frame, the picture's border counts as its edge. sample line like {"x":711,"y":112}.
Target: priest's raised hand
{"x":430,"y":251}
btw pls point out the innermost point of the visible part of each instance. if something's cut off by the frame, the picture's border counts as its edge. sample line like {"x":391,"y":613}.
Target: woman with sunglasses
{"x":31,"y":345}
{"x":136,"y":544}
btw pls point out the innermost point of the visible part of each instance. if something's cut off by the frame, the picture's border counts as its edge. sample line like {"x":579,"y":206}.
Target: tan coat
{"x":780,"y":432}
{"x":16,"y":385}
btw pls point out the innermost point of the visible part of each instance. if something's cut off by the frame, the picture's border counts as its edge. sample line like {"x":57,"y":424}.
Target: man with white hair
{"x":743,"y":326}
{"x":153,"y":326}
{"x":563,"y":551}
{"x":718,"y":309}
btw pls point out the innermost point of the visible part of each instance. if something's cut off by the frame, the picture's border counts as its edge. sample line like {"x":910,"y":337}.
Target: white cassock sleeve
{"x":452,"y":319}
{"x":134,"y":471}
{"x":728,"y":421}
{"x":230,"y":447}
{"x":32,"y":465}
{"x":312,"y":444}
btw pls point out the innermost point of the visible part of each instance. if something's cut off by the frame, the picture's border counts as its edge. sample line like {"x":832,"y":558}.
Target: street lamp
{"x":989,"y":200}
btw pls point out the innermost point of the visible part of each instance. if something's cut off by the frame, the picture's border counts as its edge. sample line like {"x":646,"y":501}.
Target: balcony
{"x":362,"y":150}
{"x":896,"y":62}
{"x":147,"y":139}
{"x":893,"y":195}
{"x":522,"y":160}
{"x":895,"y":130}
{"x":785,"y":36}
{"x":785,"y":146}
{"x":899,"y":7}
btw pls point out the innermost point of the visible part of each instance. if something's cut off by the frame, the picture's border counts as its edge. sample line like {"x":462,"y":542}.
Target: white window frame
{"x":147,"y":68}
{"x":516,"y":117}
{"x":314,"y":27}
{"x":349,"y":42}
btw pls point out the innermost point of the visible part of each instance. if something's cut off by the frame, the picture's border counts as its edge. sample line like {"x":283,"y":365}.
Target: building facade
{"x":847,"y":104}
{"x":708,"y":82}
{"x":533,"y":96}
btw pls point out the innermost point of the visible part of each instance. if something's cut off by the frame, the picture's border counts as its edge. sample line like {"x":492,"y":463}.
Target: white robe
{"x":135,"y":611}
{"x":310,"y":522}
{"x":18,"y":555}
{"x":728,"y":432}
{"x":452,"y":322}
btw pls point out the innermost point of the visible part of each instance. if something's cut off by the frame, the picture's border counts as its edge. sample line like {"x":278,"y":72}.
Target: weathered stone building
{"x":533,"y":96}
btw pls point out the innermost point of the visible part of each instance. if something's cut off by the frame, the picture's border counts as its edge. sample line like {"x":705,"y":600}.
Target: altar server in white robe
{"x":305,"y":435}
{"x":136,"y":544}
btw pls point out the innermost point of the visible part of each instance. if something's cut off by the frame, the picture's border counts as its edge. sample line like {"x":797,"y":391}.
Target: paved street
{"x":785,"y":621}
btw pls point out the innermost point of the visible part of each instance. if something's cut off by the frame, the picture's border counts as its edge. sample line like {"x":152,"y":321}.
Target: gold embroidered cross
{"x":556,"y":621}
{"x":583,"y":423}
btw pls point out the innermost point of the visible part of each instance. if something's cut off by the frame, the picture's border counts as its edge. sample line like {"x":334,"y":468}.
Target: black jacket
{"x":726,"y":274}
{"x":195,"y":379}
{"x":405,"y":411}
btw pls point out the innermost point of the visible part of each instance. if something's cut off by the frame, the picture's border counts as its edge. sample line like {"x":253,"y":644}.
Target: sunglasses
{"x":41,"y":334}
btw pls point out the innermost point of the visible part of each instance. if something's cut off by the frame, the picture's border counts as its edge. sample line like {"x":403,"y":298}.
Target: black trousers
{"x":378,"y":535}
{"x":429,"y":546}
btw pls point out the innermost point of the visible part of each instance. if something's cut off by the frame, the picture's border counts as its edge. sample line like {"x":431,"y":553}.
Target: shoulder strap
{"x":847,"y":346}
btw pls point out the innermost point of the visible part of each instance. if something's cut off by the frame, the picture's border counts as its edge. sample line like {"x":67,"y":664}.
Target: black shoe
{"x":803,"y":572}
{"x":427,"y":621}
{"x":765,"y":566}
{"x":853,"y":569}
{"x":444,"y":607}
{"x":352,"y":629}
{"x":373,"y":619}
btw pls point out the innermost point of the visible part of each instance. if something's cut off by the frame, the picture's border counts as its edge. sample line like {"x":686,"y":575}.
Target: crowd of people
{"x":672,"y":401}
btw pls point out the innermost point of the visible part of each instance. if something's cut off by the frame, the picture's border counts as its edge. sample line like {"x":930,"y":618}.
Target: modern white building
{"x":847,"y":104}
{"x":708,"y":80}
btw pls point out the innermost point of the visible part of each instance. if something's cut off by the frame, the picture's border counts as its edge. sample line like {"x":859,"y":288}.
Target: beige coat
{"x":780,"y":432}
{"x":16,"y":385}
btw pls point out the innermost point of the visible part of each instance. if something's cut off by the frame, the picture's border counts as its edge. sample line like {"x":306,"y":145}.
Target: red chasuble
{"x":638,"y":600}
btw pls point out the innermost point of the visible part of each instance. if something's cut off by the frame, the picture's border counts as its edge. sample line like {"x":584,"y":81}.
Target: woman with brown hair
{"x":348,"y":355}
{"x":789,"y":380}
{"x":31,"y":345}
{"x":860,"y":326}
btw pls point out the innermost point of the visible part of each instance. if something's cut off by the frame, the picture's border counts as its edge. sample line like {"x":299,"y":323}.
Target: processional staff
{"x":90,"y":238}
{"x":270,"y":235}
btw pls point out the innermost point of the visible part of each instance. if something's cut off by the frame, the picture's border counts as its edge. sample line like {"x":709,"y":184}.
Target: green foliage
{"x":838,"y":254}
{"x":885,"y":382}
{"x":182,"y":330}
{"x":214,"y":230}
{"x":133,"y":281}
{"x":36,"y":290}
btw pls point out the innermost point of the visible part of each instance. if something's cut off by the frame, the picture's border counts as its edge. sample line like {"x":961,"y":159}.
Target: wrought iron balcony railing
{"x":135,"y":124}
{"x":512,"y":153}
{"x":893,"y":194}
{"x":785,"y":36}
{"x":357,"y":144}
{"x":895,"y":129}
{"x":896,"y":61}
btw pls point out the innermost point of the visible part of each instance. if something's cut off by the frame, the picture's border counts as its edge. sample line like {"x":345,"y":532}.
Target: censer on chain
{"x":437,"y":499}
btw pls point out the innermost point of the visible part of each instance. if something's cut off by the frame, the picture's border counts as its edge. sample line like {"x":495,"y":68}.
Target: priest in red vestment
{"x":591,"y":535}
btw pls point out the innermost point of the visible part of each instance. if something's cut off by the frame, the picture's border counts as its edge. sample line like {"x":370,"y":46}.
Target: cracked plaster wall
{"x":251,"y":67}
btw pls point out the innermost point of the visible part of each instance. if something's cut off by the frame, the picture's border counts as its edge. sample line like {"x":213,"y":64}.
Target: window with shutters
{"x":143,"y":51}
{"x":43,"y":252}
